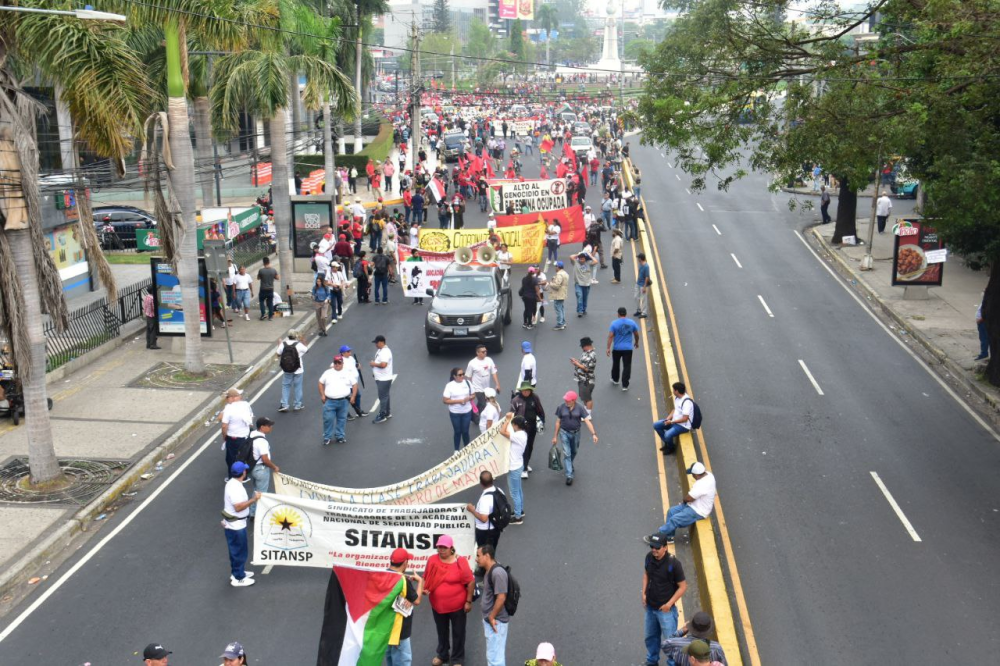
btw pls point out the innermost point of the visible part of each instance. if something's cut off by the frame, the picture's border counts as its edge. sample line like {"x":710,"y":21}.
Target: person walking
{"x":570,"y":415}
{"x":642,"y":284}
{"x":263,"y":464}
{"x":584,"y":371}
{"x":623,"y":339}
{"x":320,"y":297}
{"x":490,"y":413}
{"x":558,"y":289}
{"x":266,"y":276}
{"x":243,"y":284}
{"x":399,"y":652}
{"x":382,"y":370}
{"x":487,"y":533}
{"x":227,"y":284}
{"x":380,"y":264}
{"x":529,"y":366}
{"x":233,"y":655}
{"x":235,"y":508}
{"x":495,"y":618}
{"x":528,"y":405}
{"x":824,"y":204}
{"x":479,"y":372}
{"x":155,"y":654}
{"x":337,"y":389}
{"x":617,"y":254}
{"x":697,"y":505}
{"x":583,"y":277}
{"x":678,"y":421}
{"x":883,"y":209}
{"x":450,"y":586}
{"x":459,"y":397}
{"x":529,"y":296}
{"x":289,"y":353}
{"x":336,"y":282}
{"x":237,"y":420}
{"x":663,"y":585}
{"x":363,"y":271}
{"x":514,"y":428}
{"x":149,"y":312}
{"x":353,"y":366}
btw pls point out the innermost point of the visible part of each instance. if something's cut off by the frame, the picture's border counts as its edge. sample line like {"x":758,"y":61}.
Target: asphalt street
{"x":164,"y":576}
{"x":802,"y":410}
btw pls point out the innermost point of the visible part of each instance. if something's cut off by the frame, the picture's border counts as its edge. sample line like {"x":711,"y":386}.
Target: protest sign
{"x":419,"y":276}
{"x":535,"y":195}
{"x":525,"y":242}
{"x":570,"y":219}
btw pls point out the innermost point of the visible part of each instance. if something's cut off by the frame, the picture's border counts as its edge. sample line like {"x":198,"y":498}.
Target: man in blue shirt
{"x":642,"y":284}
{"x":623,"y":339}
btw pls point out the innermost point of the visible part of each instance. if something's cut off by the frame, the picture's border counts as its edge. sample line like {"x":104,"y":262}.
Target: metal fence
{"x":252,"y":250}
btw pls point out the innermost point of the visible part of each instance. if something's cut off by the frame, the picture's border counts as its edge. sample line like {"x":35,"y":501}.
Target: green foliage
{"x":435,"y":53}
{"x":636,"y":47}
{"x":441,"y":17}
{"x":517,"y":39}
{"x":481,"y":41}
{"x":379,"y":149}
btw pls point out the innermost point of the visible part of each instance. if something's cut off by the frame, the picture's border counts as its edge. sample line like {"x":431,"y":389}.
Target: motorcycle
{"x":12,"y":397}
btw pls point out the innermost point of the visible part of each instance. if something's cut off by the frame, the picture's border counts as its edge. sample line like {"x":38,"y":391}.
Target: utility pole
{"x":452,"y":66}
{"x":415,"y":95}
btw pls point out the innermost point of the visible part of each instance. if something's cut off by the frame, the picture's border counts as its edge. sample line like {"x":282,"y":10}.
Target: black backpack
{"x":502,"y":512}
{"x":358,"y":269}
{"x":513,"y":588}
{"x":245,"y":454}
{"x":695,"y":415}
{"x":290,"y":361}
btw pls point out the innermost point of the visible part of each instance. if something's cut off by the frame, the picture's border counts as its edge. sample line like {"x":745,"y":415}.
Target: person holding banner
{"x":458,"y":396}
{"x":515,"y":428}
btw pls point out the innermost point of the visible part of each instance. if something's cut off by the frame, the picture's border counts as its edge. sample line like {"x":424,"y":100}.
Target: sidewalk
{"x":105,"y":412}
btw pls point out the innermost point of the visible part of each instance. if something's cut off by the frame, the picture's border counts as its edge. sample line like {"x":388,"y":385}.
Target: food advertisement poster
{"x":63,"y":245}
{"x":168,"y":302}
{"x":918,"y":256}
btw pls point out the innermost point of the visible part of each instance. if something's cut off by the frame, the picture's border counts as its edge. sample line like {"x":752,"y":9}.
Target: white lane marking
{"x":899,"y":342}
{"x":374,"y":408}
{"x":267,"y":569}
{"x":687,"y":190}
{"x":716,"y":229}
{"x":895,"y":507}
{"x":769,"y":313}
{"x":810,"y":376}
{"x":677,"y":176}
{"x":736,"y":260}
{"x":132,"y":516}
{"x":700,"y":208}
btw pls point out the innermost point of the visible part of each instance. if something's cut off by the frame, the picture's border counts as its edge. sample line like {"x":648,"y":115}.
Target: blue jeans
{"x":336,"y":303}
{"x":984,"y":339}
{"x":407,"y":211}
{"x":460,"y":424}
{"x":560,"y":307}
{"x":681,"y":515}
{"x":261,"y":475}
{"x":660,"y":625}
{"x":570,"y":444}
{"x":375,"y":240}
{"x":237,"y":540}
{"x":292,"y":382}
{"x":593,"y":178}
{"x":400,"y":655}
{"x":516,"y":493}
{"x":334,"y":418}
{"x":582,"y":293}
{"x":637,"y":191}
{"x":607,"y":218}
{"x":496,"y":643}
{"x":668,"y":434}
{"x":381,"y":282}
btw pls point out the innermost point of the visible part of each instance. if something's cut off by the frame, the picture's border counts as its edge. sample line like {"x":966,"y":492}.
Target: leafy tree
{"x":637,"y":47}
{"x":547,"y":19}
{"x":481,"y":41}
{"x":441,"y":17}
{"x":517,"y":40}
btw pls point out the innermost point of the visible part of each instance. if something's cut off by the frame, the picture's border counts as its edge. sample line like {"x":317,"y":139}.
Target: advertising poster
{"x":228,"y":223}
{"x":525,"y":9}
{"x":918,"y":255}
{"x":293,"y":531}
{"x":167,"y":298}
{"x":525,"y":242}
{"x":508,"y":9}
{"x":535,"y":195}
{"x":63,"y":245}
{"x":309,"y":220}
{"x":570,"y":220}
{"x":489,"y":451}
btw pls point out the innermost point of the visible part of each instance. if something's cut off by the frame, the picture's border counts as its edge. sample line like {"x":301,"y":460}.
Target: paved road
{"x":164,"y":577}
{"x":829,"y":570}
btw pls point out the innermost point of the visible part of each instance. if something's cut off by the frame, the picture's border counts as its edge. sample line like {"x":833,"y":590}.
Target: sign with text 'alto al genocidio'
{"x":297,"y":532}
{"x":489,"y":452}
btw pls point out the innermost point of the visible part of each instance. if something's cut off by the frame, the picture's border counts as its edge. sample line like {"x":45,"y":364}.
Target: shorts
{"x":242,"y":298}
{"x":585,"y":391}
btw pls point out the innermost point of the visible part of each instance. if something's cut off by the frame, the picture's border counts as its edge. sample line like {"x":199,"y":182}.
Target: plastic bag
{"x":555,"y":459}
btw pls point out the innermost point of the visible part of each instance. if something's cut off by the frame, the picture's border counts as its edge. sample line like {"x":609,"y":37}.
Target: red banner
{"x":570,"y":219}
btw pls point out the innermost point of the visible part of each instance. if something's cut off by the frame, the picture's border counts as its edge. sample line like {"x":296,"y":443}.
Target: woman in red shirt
{"x":450,"y":583}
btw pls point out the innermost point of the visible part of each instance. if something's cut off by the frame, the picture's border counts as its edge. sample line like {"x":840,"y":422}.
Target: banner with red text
{"x":574,"y":230}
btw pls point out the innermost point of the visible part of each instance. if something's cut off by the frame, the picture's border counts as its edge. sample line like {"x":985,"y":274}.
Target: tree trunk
{"x":67,"y":148}
{"x":295,"y":100}
{"x":203,"y":135}
{"x":329,"y":159}
{"x":358,"y":142}
{"x":548,"y":41}
{"x":41,"y":449}
{"x":847,"y":212}
{"x":991,"y":314}
{"x":281,"y":197}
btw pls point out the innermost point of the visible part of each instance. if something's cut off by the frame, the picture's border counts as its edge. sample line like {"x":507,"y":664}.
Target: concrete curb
{"x":62,"y":536}
{"x":940,"y":357}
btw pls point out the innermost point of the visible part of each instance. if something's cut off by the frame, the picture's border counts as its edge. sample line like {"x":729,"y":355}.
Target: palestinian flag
{"x":358,"y":620}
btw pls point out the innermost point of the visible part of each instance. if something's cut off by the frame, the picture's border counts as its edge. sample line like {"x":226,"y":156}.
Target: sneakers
{"x":248,"y":574}
{"x":541,"y":319}
{"x":641,"y":316}
{"x":351,"y":417}
{"x":297,"y":408}
{"x":559,"y":328}
{"x":524,"y":474}
{"x":624,"y":388}
{"x":263,"y":317}
{"x":246,"y":582}
{"x":247,"y":316}
{"x":615,"y":382}
{"x":341,"y":441}
{"x":529,"y":468}
{"x":283,"y":408}
{"x":326,"y":442}
{"x":569,"y":481}
{"x":636,"y":314}
{"x":380,"y":419}
{"x":517,"y":521}
{"x":616,"y":282}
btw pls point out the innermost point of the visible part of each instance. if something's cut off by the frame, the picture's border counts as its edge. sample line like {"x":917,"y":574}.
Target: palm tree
{"x":364,"y":11}
{"x":103,"y":85}
{"x":547,"y":18}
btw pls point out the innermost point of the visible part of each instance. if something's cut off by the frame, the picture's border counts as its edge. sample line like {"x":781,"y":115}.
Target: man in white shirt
{"x":336,"y":280}
{"x":237,"y":421}
{"x":243,"y":284}
{"x":382,"y":370}
{"x":697,"y":504}
{"x":321,"y":260}
{"x":678,"y":421}
{"x":486,"y":533}
{"x":357,"y":210}
{"x":326,"y":244}
{"x":883,"y":208}
{"x":353,"y":365}
{"x":479,"y":372}
{"x":263,"y":464}
{"x":337,"y":389}
{"x":291,"y":365}
{"x":529,"y":366}
{"x":227,"y":283}
{"x":235,"y":507}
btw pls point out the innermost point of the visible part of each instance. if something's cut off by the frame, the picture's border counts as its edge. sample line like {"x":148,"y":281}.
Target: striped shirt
{"x":673,"y":650}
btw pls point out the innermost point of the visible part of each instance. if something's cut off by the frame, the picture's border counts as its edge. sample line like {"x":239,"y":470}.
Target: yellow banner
{"x":525,"y":242}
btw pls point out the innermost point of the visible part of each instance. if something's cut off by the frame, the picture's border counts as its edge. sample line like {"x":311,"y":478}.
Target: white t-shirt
{"x":325,"y":247}
{"x":489,"y":413}
{"x":883,"y":206}
{"x":528,"y":363}
{"x":242,"y":281}
{"x":302,"y":350}
{"x":230,"y":273}
{"x":485,"y":507}
{"x":261,"y":447}
{"x":351,"y":367}
{"x":414,"y":236}
{"x":552,"y":233}
{"x":480,"y":373}
{"x":337,"y":383}
{"x":504,"y":259}
{"x":703,"y":492}
{"x":457,"y":391}
{"x":335,"y":278}
{"x":238,"y":416}
{"x":684,"y":406}
{"x":383,"y":355}
{"x":322,"y":263}
{"x":235,"y":494}
{"x":518,"y":442}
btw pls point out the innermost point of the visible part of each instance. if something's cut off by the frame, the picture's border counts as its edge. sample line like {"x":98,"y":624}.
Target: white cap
{"x":545,"y":651}
{"x":490,"y":392}
{"x":696,"y":468}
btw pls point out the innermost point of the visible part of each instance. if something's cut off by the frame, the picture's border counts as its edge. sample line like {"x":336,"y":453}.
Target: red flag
{"x":574,"y":230}
{"x":546,"y":145}
{"x":489,"y":169}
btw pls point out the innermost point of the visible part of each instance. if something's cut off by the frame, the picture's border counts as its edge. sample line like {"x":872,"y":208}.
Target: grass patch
{"x":62,"y":357}
{"x":127,"y":257}
{"x":59,"y":483}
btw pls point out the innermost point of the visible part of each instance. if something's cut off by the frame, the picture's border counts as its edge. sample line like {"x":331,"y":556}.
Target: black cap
{"x":656,"y":540}
{"x":264,"y":421}
{"x":155,"y":651}
{"x":378,"y":338}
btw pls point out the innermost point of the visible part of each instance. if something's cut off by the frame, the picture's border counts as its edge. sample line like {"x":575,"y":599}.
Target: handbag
{"x":555,"y":459}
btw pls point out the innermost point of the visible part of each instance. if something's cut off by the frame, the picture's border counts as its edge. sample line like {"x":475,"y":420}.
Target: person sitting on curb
{"x":697,"y":504}
{"x":678,"y":421}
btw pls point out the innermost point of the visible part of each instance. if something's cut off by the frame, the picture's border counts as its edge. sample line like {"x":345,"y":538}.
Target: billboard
{"x":168,"y":301}
{"x":918,"y":255}
{"x":309,"y":221}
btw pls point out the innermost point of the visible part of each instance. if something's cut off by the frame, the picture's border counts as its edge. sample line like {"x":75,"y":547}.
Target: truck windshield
{"x":457,"y":286}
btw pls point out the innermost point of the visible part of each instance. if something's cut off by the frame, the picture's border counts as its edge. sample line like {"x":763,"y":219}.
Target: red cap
{"x":400,"y":555}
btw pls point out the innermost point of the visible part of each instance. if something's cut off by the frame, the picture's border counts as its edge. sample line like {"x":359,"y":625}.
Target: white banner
{"x":537,"y":195}
{"x":489,"y":451}
{"x":292,"y":531}
{"x":419,"y":276}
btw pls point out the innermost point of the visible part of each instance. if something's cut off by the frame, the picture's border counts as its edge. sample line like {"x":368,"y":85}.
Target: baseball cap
{"x":570,"y":395}
{"x":696,"y":468}
{"x":233,"y":651}
{"x":559,"y":264}
{"x":155,"y":651}
{"x":400,"y":555}
{"x":526,"y":346}
{"x":545,"y":651}
{"x":344,"y":348}
{"x":656,"y":540}
{"x":233,"y":392}
{"x":532,"y":269}
{"x":445,"y":541}
{"x":378,"y":338}
{"x":338,"y":359}
{"x":235,"y":470}
{"x":490,"y":392}
{"x":264,"y":421}
{"x":699,"y":648}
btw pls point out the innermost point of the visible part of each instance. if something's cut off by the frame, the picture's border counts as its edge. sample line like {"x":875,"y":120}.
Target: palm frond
{"x":250,"y":81}
{"x":323,"y":80}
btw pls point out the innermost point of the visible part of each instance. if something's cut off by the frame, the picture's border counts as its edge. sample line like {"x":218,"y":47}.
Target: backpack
{"x":245,"y":453}
{"x":513,"y":588}
{"x":695,"y":415}
{"x":357,"y":270}
{"x":502,"y":512}
{"x":290,"y":361}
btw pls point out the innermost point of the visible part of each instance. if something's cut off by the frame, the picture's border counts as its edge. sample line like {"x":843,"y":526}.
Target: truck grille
{"x":461,"y":320}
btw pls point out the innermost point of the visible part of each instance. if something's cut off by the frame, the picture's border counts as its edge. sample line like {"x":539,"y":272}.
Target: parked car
{"x":472,"y":304}
{"x":116,"y":225}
